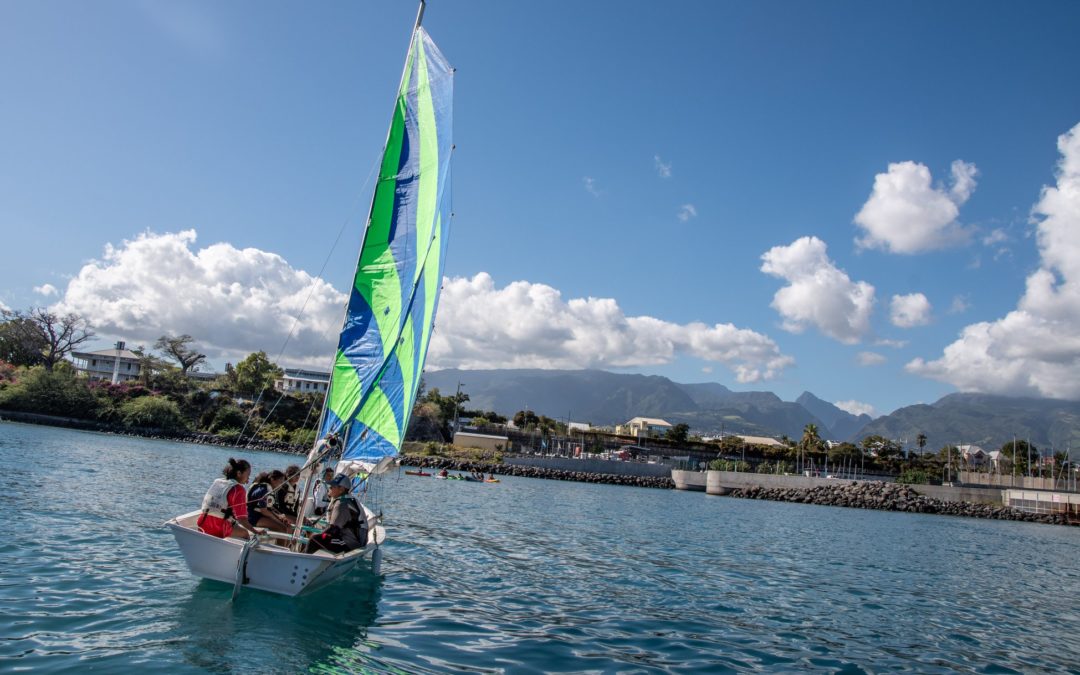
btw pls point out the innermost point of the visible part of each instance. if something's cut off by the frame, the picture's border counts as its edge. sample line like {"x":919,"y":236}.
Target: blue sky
{"x":645,"y":156}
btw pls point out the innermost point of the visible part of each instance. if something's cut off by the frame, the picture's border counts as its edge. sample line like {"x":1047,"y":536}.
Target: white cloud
{"x":818,"y":293}
{"x":590,"y":186}
{"x":46,"y":290}
{"x":895,"y":344}
{"x":1034,"y":349}
{"x":908,"y":311}
{"x":233,"y":301}
{"x":869,"y":359}
{"x":907,"y":214}
{"x":706,"y":369}
{"x":663,"y":169}
{"x":960,"y":304}
{"x":527,"y":325}
{"x":686,"y":212}
{"x":856,"y":408}
{"x":4,"y":307}
{"x":996,"y":236}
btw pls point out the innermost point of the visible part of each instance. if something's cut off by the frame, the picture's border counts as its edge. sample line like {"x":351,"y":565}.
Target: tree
{"x":21,"y":341}
{"x":256,"y":373}
{"x":678,"y":433}
{"x":55,"y":336}
{"x":149,"y":365}
{"x":523,"y":419}
{"x":1018,"y":453}
{"x":178,"y":349}
{"x":920,"y":440}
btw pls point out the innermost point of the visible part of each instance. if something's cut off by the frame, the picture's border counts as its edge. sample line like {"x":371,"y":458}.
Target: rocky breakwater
{"x":437,"y":463}
{"x":891,"y":497}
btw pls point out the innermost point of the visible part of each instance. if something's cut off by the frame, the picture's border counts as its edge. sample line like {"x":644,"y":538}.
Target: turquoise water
{"x":522,"y":576}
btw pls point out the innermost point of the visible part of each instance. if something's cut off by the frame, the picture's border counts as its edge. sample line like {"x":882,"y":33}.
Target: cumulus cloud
{"x":908,"y":311}
{"x":46,"y":290}
{"x":906,"y":213}
{"x":527,"y":325}
{"x":818,"y":293}
{"x":590,"y":186}
{"x":686,"y":212}
{"x":856,"y":408}
{"x":663,"y":169}
{"x":233,"y":301}
{"x":1034,"y":349}
{"x":869,"y":359}
{"x":4,"y":307}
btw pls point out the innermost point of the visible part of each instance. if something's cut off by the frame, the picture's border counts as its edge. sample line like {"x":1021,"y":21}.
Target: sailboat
{"x":382,"y":345}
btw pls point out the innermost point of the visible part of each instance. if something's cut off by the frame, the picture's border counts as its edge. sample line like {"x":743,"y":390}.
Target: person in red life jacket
{"x":225,"y":503}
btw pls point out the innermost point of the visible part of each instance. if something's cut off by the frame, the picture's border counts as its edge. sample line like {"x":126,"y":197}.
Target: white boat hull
{"x":268,"y":566}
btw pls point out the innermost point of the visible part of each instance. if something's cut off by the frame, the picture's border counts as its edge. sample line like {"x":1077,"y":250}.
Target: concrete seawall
{"x":593,"y":466}
{"x":724,"y":482}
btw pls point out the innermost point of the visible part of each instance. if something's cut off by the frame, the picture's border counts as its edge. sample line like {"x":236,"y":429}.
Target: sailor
{"x":285,"y":495}
{"x":225,"y":503}
{"x":347,"y":528}
{"x":322,"y":492}
{"x":263,"y":508}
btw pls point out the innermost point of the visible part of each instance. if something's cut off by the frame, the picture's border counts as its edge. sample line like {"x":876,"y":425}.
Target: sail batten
{"x":389,"y":319}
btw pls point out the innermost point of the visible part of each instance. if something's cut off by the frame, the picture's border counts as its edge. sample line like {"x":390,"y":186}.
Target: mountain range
{"x":602,"y":398}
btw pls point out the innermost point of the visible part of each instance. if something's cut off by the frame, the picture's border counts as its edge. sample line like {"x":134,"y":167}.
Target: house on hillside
{"x":999,"y":461}
{"x":643,"y":427}
{"x":973,"y":455}
{"x":108,"y":365}
{"x":298,"y":381}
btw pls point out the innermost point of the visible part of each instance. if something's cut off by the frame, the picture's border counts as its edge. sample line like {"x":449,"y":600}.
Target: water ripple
{"x":524,"y":576}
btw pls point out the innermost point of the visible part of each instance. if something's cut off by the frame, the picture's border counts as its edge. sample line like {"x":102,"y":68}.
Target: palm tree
{"x":810,"y":439}
{"x":921,"y":441}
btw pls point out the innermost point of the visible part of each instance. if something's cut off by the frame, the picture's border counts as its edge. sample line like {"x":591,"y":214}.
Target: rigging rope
{"x":311,"y":289}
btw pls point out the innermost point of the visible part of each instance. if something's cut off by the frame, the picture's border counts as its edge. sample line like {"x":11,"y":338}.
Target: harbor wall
{"x":601,"y":466}
{"x":724,"y":482}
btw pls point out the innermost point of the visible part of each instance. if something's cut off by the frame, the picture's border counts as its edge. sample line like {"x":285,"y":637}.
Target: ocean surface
{"x":521,"y":576}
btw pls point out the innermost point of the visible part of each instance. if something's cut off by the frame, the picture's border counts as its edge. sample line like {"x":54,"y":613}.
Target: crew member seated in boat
{"x":285,"y":494}
{"x":262,"y":504}
{"x":225,"y":503}
{"x":444,"y":473}
{"x":322,"y":491}
{"x":347,"y":528}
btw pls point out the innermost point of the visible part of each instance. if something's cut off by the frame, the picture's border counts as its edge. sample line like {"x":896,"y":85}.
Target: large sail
{"x":391,"y":312}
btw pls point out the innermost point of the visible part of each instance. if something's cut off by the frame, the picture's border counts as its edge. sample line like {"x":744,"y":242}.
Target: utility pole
{"x":457,"y":404}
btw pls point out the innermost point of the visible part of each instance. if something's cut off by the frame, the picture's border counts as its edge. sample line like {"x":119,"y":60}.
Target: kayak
{"x":416,"y":473}
{"x":491,"y":480}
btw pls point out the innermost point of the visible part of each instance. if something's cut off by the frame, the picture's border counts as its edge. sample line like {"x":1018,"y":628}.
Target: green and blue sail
{"x":391,"y":312}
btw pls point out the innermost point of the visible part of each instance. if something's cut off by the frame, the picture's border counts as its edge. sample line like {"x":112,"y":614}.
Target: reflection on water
{"x":521,"y":576}
{"x":303,"y":630}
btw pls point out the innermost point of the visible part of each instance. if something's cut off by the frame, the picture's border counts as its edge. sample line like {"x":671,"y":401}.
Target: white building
{"x":296,"y":380}
{"x":111,"y":365}
{"x":642,"y":426}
